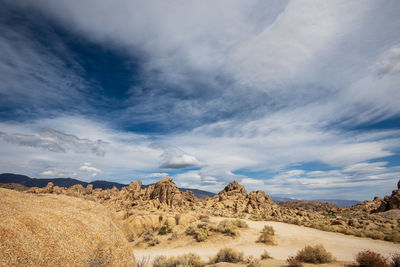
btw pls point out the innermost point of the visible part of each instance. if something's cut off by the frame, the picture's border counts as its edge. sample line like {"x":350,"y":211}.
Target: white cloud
{"x":86,"y":167}
{"x":56,"y":141}
{"x":175,"y":158}
{"x":389,"y":62}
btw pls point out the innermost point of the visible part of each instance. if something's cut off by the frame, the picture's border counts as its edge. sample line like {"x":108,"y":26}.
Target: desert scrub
{"x":294,"y":261}
{"x":267,"y":235}
{"x":148,"y":236}
{"x":240,"y":223}
{"x":368,"y":258}
{"x":227,"y":227}
{"x":227,"y":255}
{"x":314,"y":254}
{"x":200,"y":233}
{"x":255,"y":217}
{"x":265,"y":255}
{"x":189,"y":259}
{"x":163,"y":230}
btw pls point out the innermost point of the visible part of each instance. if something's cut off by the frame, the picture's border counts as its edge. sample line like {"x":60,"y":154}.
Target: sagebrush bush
{"x":227,"y":255}
{"x":227,"y":227}
{"x":294,"y":261}
{"x":240,"y":223}
{"x":189,"y":259}
{"x":265,"y":255}
{"x":201,"y":234}
{"x":368,"y":258}
{"x":314,"y":254}
{"x":267,"y":235}
{"x":162,"y":230}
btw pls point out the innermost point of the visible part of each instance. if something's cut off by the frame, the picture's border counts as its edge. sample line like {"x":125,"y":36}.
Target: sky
{"x":297,"y":98}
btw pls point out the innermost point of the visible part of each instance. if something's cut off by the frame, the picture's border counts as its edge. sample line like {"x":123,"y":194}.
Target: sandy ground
{"x":290,"y":238}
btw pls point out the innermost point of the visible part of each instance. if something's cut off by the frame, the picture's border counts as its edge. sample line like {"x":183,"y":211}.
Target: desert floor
{"x":290,"y":238}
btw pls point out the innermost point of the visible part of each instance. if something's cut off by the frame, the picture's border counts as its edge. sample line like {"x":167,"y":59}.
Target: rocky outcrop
{"x":166,"y":192}
{"x":233,"y":200}
{"x":310,"y":206}
{"x":390,"y":202}
{"x":162,"y":195}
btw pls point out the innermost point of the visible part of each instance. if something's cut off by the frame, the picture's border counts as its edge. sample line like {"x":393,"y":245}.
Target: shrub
{"x":369,"y":258}
{"x":294,"y":261}
{"x":227,"y":255}
{"x":154,"y":242}
{"x":265,"y":255}
{"x":268,"y":229}
{"x":240,"y":223}
{"x":201,"y":234}
{"x":190,"y":230}
{"x":227,"y":227}
{"x":267,"y":235}
{"x":254,"y":217}
{"x":163,"y":230}
{"x":396,"y":260}
{"x":189,"y":259}
{"x":148,"y":235}
{"x":314,"y":254}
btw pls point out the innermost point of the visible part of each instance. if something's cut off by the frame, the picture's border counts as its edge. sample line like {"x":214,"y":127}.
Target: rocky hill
{"x":26,"y":181}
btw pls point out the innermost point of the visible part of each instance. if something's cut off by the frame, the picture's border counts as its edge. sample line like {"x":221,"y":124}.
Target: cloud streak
{"x":55,"y":141}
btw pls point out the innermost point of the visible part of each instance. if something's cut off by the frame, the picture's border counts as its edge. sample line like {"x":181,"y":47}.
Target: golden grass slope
{"x":57,"y":230}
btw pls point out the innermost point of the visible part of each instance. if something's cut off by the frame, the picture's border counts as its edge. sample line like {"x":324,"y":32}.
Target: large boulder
{"x":58,"y":230}
{"x":166,"y":192}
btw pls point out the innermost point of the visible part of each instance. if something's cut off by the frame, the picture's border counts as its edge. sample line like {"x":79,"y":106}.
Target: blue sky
{"x":296,"y":98}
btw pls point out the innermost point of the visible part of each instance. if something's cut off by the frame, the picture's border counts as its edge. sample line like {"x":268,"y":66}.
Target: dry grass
{"x":203,"y":230}
{"x":227,"y":255}
{"x":294,"y":261}
{"x":267,"y":235}
{"x":228,"y":227}
{"x":314,"y":254}
{"x":265,"y":255}
{"x":57,"y":230}
{"x":369,"y":258}
{"x":189,"y":259}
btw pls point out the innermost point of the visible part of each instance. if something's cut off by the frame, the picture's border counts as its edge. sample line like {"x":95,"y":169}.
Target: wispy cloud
{"x":55,"y":141}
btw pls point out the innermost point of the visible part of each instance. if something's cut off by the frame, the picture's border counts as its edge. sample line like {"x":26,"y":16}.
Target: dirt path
{"x":290,"y":238}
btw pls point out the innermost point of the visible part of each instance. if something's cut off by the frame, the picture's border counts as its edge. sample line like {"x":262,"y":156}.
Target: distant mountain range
{"x":67,"y":182}
{"x":338,"y":202}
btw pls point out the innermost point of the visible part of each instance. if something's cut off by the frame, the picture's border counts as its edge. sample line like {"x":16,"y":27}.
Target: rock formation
{"x":233,"y":200}
{"x":390,"y":202}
